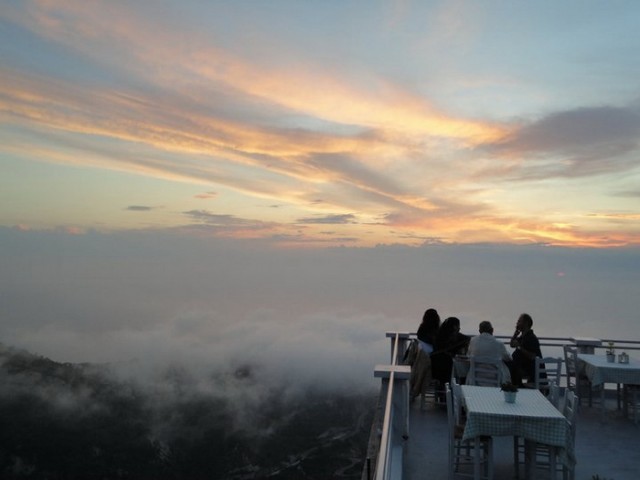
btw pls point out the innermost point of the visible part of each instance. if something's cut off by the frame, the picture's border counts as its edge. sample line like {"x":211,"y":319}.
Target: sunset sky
{"x":262,"y":181}
{"x":324,"y":123}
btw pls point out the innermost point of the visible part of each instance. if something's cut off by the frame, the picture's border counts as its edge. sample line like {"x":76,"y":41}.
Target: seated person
{"x":428,"y":329}
{"x":527,"y":348}
{"x":449,"y":343}
{"x":420,"y":360}
{"x":486,"y":345}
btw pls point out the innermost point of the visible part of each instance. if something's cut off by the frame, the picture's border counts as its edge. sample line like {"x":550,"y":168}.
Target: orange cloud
{"x":310,"y":90}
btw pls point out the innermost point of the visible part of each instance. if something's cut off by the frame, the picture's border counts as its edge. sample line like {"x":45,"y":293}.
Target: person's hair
{"x":431,"y":320}
{"x":485,"y":327}
{"x":446,"y":331}
{"x":429,"y":326}
{"x":526,"y":318}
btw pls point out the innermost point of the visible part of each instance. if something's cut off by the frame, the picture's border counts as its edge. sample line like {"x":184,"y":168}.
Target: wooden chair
{"x":485,"y":372}
{"x":547,"y":372}
{"x":548,"y":456}
{"x":459,"y":450}
{"x":461,"y":366}
{"x":547,"y":377}
{"x":555,"y":396}
{"x":571,"y":406}
{"x":421,"y":381}
{"x":576,"y":381}
{"x":431,"y":392}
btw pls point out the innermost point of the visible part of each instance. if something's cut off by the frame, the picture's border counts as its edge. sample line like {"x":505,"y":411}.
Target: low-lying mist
{"x":137,"y":420}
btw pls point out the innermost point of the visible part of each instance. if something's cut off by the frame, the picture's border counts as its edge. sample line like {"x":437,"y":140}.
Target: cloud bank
{"x":298,"y":317}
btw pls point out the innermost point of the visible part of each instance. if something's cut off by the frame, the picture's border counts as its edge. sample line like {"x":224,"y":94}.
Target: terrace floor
{"x":608,"y":447}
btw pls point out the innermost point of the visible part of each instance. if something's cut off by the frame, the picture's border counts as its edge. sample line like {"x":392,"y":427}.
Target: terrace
{"x":409,"y":441}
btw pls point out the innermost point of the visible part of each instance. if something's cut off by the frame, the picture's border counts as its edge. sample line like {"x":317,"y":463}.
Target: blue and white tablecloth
{"x":599,"y":371}
{"x":532,"y":416}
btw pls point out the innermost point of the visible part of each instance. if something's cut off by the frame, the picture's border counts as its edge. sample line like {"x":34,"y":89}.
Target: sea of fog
{"x":295,"y":317}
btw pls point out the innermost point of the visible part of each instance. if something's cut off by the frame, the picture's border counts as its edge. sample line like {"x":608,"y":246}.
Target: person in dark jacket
{"x":449,"y":343}
{"x":527,"y":348}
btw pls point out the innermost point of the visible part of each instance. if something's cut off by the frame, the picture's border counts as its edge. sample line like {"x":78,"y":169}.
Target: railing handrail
{"x":394,"y":428}
{"x":382,"y":464}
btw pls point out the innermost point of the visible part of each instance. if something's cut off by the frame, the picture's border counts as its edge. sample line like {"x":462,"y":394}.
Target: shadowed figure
{"x":449,"y":343}
{"x":420,"y":357}
{"x":527,"y":348}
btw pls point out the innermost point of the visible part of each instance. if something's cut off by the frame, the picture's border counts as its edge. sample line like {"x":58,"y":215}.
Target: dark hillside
{"x":80,"y":421}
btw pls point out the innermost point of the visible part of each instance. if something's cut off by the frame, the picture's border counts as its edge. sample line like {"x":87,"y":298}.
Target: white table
{"x":599,"y":371}
{"x":532,"y":417}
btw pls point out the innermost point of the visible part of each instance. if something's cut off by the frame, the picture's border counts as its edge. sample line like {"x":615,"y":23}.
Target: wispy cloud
{"x":226,"y":225}
{"x":580,"y":142}
{"x":330,"y":219}
{"x":222,"y":219}
{"x":140,"y":208}
{"x":618,"y":216}
{"x":206,"y":195}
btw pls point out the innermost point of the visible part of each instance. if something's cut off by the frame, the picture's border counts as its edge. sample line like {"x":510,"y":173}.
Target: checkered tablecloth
{"x":532,"y":416}
{"x":599,"y":371}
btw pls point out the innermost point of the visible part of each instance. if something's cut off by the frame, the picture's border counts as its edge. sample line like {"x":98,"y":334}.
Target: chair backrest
{"x":570,"y":360}
{"x":570,"y":410}
{"x":547,"y":370}
{"x":460,"y":367}
{"x":485,"y":372}
{"x":554,"y":395}
{"x":456,"y":393}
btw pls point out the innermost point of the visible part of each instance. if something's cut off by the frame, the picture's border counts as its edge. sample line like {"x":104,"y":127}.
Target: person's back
{"x":428,"y":330}
{"x":487,"y":346}
{"x":449,"y":343}
{"x":421,"y":359}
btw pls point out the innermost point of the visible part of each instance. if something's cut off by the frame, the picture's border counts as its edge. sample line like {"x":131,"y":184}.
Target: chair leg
{"x":552,"y":463}
{"x":628,"y":399}
{"x":476,"y":457}
{"x":451,"y":466}
{"x":489,"y":459}
{"x":516,"y":456}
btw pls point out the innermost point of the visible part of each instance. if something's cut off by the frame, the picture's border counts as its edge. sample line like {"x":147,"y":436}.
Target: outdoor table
{"x":599,"y":371}
{"x":532,"y":417}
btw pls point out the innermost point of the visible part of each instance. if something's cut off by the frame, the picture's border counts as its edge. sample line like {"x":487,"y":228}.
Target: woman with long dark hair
{"x":428,"y":330}
{"x":449,"y":343}
{"x":418,"y":355}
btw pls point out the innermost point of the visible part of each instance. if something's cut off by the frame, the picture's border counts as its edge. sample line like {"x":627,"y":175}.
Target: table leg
{"x":477,"y":475}
{"x":625,"y":401}
{"x":552,"y":462}
{"x":529,"y":459}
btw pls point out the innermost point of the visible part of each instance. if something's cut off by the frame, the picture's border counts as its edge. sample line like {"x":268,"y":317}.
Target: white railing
{"x":395,"y":424}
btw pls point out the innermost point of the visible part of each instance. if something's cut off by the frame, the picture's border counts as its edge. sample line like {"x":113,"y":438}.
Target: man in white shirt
{"x":486,"y":345}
